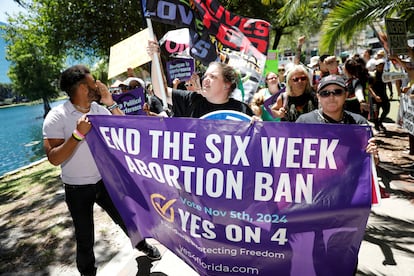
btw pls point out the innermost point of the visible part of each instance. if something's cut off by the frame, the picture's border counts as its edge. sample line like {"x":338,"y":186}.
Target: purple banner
{"x":269,"y":102}
{"x":131,"y":102}
{"x":231,"y":198}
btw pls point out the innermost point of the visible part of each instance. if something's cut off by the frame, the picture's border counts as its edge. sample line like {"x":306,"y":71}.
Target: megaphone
{"x":392,"y":76}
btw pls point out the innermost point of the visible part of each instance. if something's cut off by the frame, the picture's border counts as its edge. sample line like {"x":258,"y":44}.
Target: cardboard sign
{"x":129,"y":53}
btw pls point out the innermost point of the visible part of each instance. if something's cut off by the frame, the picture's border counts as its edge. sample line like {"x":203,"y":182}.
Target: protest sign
{"x":406,"y":111}
{"x":218,"y":34}
{"x":396,"y":36}
{"x":272,"y":62}
{"x":231,"y":198}
{"x":176,"y":43}
{"x":269,"y":102}
{"x":131,"y":102}
{"x":128,"y":54}
{"x":181,"y":68}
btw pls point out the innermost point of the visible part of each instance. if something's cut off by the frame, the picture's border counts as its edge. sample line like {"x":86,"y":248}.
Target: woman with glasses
{"x":272,"y":90}
{"x":299,"y":97}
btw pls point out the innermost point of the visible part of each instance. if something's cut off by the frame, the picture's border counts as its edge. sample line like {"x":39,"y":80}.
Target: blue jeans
{"x":80,"y":201}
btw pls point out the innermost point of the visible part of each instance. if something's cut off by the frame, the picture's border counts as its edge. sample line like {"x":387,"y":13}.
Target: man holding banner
{"x":332,"y":95}
{"x":64,"y":130}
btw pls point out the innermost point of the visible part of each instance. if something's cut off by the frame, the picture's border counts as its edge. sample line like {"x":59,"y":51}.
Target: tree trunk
{"x":276,"y":40}
{"x":46,"y":106}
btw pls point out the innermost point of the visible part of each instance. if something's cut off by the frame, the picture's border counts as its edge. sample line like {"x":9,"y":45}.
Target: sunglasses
{"x":188,"y":84}
{"x":327,"y":93}
{"x":299,"y":79}
{"x":272,"y":78}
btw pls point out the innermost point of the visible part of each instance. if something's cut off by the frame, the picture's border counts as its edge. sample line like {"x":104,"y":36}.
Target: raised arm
{"x":153,"y":49}
{"x":298,"y":53}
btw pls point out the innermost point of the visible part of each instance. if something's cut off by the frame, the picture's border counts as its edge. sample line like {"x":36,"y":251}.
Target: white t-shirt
{"x":371,"y":64}
{"x":60,"y":122}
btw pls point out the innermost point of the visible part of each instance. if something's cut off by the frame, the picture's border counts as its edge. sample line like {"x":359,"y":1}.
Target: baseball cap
{"x":331,"y":79}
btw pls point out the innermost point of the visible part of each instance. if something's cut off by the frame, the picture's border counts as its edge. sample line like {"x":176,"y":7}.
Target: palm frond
{"x":351,"y":16}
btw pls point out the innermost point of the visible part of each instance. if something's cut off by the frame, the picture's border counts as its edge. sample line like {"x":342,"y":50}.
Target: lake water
{"x":21,"y":140}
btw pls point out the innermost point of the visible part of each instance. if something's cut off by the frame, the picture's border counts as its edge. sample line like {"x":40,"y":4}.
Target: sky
{"x":10,"y":7}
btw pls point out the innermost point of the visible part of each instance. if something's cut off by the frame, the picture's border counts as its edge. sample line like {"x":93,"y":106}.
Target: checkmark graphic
{"x":163,"y":207}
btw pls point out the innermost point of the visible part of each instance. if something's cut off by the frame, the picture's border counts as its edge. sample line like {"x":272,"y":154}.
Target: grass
{"x":31,"y":228}
{"x":36,"y":230}
{"x":62,"y":97}
{"x":19,"y":184}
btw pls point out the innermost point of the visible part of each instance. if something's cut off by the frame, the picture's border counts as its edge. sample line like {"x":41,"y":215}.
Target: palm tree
{"x":346,"y":17}
{"x":351,"y":16}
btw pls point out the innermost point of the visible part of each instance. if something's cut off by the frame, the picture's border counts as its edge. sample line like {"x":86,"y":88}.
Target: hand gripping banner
{"x":234,"y":198}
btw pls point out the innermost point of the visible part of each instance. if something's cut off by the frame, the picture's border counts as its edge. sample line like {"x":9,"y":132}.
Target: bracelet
{"x":78,"y":134}
{"x":76,"y":137}
{"x":112,"y":107}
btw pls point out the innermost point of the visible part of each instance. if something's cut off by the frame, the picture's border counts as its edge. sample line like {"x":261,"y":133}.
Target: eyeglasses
{"x":281,"y":70}
{"x":130,"y":87}
{"x":299,"y":79}
{"x":327,"y":93}
{"x":272,"y":78}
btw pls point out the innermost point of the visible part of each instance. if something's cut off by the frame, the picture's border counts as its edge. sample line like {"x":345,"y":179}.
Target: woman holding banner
{"x":218,"y":83}
{"x":271,"y":91}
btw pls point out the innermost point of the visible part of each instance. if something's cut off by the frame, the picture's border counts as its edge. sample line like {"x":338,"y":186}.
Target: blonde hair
{"x":293,"y":69}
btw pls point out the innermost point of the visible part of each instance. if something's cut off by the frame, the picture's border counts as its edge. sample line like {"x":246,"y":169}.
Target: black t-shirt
{"x":298,"y":105}
{"x":155,"y":104}
{"x":316,"y":116}
{"x":379,"y":86}
{"x":191,"y":104}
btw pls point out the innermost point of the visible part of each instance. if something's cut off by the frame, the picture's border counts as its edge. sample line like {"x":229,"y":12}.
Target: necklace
{"x":328,"y":120}
{"x":81,"y":108}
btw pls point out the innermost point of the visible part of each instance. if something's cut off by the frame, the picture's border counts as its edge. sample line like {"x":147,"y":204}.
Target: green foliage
{"x":34,"y":69}
{"x":5,"y":91}
{"x":350,"y":16}
{"x":89,"y":27}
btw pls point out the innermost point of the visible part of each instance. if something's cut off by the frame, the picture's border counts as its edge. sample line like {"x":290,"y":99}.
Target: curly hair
{"x":71,"y":77}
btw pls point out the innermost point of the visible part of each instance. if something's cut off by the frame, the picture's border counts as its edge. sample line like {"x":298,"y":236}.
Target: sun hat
{"x":379,"y":61}
{"x":128,"y":81}
{"x":314,"y":61}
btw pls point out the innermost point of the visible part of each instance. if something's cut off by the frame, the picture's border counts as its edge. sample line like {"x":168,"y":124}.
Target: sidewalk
{"x":387,"y":248}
